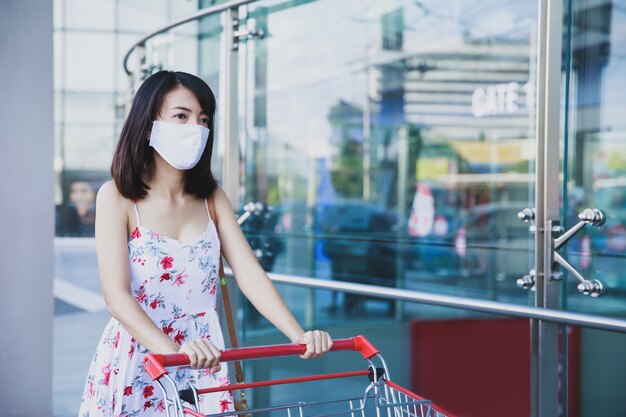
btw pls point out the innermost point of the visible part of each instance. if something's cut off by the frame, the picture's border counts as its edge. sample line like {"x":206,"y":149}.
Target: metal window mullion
{"x":228,"y":128}
{"x":544,"y":335}
{"x":228,"y":109}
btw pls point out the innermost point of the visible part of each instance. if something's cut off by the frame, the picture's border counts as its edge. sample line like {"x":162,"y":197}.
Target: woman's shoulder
{"x":110,"y":197}
{"x":218,"y":202}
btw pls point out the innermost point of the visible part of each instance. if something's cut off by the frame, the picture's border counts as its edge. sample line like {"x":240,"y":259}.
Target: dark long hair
{"x":134,"y":158}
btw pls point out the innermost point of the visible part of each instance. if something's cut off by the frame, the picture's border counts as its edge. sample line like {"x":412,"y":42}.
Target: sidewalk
{"x":75,"y":338}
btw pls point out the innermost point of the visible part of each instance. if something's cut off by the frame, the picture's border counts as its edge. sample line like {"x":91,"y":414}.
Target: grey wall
{"x":26,"y":207}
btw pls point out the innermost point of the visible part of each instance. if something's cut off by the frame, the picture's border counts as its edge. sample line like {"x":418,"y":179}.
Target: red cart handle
{"x":155,"y":363}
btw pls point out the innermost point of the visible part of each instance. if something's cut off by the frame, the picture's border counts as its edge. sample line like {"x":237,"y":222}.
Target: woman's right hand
{"x":202,"y":355}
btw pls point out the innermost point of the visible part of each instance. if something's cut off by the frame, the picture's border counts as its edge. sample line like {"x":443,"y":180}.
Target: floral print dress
{"x":176,"y":284}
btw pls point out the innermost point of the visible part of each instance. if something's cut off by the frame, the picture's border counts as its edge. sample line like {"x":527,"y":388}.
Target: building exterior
{"x":395,"y":143}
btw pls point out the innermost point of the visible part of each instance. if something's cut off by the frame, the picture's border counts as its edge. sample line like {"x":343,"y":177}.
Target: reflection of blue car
{"x":260,"y":231}
{"x":487,"y":241}
{"x":360,"y":240}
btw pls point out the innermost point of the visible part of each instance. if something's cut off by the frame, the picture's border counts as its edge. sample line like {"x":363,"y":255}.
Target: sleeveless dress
{"x":175,"y":283}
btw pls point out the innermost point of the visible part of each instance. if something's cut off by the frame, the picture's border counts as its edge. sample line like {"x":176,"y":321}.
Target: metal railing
{"x":209,"y":11}
{"x":464,"y":303}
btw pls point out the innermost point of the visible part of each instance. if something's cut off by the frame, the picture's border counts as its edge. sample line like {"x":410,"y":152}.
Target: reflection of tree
{"x":416,"y":142}
{"x":346,"y":168}
{"x":347,"y":174}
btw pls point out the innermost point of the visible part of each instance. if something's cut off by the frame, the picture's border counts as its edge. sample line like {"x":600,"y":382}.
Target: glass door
{"x":396,"y":129}
{"x":594,"y":164}
{"x":393,"y":144}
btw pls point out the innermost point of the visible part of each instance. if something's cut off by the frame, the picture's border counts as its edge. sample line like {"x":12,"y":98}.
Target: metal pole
{"x":544,"y":334}
{"x":471,"y":304}
{"x":403,"y":172}
{"x":228,"y":131}
{"x":367,"y":132}
{"x":228,"y":109}
{"x":539,"y":209}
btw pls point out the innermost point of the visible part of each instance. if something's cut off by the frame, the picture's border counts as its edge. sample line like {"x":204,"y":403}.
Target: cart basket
{"x":380,"y":396}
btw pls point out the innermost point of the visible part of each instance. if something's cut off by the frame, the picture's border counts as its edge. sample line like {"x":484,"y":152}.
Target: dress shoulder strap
{"x":136,"y":213}
{"x":206,"y":204}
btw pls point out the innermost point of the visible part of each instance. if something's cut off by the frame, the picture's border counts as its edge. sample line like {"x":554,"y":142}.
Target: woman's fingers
{"x":324,"y":340}
{"x":192,"y":353}
{"x":202,"y":354}
{"x":216,"y":354}
{"x":206,"y":357}
{"x":317,"y":343}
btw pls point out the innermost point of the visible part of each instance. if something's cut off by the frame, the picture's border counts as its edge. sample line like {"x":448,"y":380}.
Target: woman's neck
{"x":167,"y":181}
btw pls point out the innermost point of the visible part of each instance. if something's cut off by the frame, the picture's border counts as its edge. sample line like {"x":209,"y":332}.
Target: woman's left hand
{"x":317,"y":343}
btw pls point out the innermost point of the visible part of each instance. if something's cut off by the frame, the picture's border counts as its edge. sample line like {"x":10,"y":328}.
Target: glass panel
{"x":75,"y":217}
{"x":58,"y":13}
{"x":124,"y":42}
{"x":594,"y":152}
{"x":141,"y":15}
{"x":592,"y":357}
{"x":88,"y":62}
{"x":59,"y":59}
{"x":88,"y":147}
{"x":89,"y":109}
{"x":441,"y":360}
{"x":401,"y":155}
{"x":395,"y":147}
{"x":91,"y":15}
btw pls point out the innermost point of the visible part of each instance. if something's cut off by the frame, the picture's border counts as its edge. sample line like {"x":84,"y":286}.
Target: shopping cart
{"x":381,"y":397}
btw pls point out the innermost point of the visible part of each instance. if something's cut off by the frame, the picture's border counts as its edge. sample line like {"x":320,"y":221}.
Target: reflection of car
{"x":485,"y":241}
{"x":359,"y":240}
{"x":611,"y":238}
{"x":364,"y":244}
{"x":260,"y":231}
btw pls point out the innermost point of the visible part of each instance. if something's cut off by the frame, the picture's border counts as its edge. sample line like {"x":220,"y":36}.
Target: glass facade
{"x":90,"y":40}
{"x":392,"y":143}
{"x":401,"y":155}
{"x":594,"y":156}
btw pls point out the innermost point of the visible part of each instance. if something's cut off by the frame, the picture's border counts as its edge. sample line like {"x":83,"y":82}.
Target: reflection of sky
{"x":612,"y":99}
{"x":314,"y":60}
{"x":317,"y":53}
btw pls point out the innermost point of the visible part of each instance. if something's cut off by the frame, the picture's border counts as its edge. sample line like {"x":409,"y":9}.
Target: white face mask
{"x":181,"y":145}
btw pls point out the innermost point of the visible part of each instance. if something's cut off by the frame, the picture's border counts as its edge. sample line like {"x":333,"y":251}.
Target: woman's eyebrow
{"x":181,"y":108}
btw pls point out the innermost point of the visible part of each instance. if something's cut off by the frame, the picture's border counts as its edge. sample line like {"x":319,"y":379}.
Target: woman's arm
{"x":112,"y":251}
{"x":256,"y":285}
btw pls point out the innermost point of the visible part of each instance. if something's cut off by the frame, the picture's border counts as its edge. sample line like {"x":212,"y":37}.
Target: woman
{"x":160,"y":226}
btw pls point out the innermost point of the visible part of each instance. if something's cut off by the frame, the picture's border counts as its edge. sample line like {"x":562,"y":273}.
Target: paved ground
{"x":75,"y":338}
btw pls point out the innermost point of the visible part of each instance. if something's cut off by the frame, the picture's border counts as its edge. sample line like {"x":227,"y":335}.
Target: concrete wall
{"x":26,"y":207}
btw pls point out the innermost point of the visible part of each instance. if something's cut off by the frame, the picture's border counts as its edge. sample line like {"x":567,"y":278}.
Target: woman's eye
{"x":204,"y":120}
{"x":180,"y":116}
